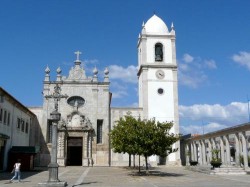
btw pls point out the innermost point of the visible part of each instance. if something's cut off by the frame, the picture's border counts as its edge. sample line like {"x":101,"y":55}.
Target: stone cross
{"x":78,"y":55}
{"x":56,"y":96}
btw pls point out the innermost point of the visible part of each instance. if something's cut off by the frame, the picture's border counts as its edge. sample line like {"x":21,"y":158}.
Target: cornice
{"x":156,"y":66}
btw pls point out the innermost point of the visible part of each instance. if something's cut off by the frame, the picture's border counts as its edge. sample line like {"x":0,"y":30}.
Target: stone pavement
{"x":122,"y":177}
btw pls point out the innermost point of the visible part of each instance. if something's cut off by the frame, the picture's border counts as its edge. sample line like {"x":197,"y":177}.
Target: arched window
{"x":158,"y":52}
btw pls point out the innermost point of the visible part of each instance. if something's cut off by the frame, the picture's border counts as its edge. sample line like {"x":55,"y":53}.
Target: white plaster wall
{"x":17,"y":136}
{"x":161,"y":106}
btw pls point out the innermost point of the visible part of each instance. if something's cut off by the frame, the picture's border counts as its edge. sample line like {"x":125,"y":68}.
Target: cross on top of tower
{"x":78,"y":55}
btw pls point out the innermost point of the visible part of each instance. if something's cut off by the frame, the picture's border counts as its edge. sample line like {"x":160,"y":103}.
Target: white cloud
{"x":199,"y":118}
{"x":191,"y":79}
{"x":91,"y":61}
{"x":118,"y":90}
{"x":135,"y":104}
{"x":187,"y":58}
{"x":210,"y":64}
{"x":243,"y":58}
{"x":191,"y":71}
{"x":128,"y":74}
{"x":119,"y":94}
{"x":202,"y":129}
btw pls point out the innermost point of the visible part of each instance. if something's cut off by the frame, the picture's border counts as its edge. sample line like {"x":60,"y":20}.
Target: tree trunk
{"x":139,"y":163}
{"x":129,"y":161}
{"x":146,"y":160}
{"x":134,"y":160}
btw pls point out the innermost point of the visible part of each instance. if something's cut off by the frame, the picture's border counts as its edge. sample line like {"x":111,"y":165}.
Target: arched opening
{"x":158,"y":52}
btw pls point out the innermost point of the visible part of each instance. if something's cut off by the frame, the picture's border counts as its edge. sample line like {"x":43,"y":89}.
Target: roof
{"x":4,"y":92}
{"x":24,"y":149}
{"x":156,"y":25}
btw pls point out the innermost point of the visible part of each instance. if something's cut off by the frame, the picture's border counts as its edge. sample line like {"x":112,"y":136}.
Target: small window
{"x":8,"y":119}
{"x":27,"y":127}
{"x":160,"y":91}
{"x":99,"y":131}
{"x":76,"y":101}
{"x":22,"y":123}
{"x":5,"y":117}
{"x":1,"y":115}
{"x":158,"y":52}
{"x":18,"y":123}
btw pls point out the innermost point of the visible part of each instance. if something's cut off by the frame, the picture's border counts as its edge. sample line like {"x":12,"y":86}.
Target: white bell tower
{"x":158,"y":92}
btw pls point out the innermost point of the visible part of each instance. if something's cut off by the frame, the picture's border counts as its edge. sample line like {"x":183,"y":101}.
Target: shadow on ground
{"x":151,"y":172}
{"x":24,"y":174}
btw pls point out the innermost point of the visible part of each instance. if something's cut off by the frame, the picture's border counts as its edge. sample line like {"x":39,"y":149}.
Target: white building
{"x":16,"y":122}
{"x":86,"y":114}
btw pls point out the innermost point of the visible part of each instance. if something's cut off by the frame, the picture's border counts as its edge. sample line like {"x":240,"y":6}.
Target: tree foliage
{"x":142,"y":137}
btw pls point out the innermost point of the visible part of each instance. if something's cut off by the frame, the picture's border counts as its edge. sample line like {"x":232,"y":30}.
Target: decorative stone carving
{"x":77,"y":73}
{"x":76,"y":120}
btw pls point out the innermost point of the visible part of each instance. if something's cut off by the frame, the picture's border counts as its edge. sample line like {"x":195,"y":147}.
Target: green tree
{"x":143,"y":137}
{"x":122,"y":136}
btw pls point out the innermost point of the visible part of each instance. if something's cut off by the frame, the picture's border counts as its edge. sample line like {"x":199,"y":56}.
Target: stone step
{"x":228,"y":171}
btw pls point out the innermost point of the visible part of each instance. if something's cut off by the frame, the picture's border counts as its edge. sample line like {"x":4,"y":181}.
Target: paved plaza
{"x":121,"y":177}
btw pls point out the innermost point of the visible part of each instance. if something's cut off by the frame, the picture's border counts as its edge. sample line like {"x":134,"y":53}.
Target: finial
{"x":47,"y":70}
{"x":106,"y":71}
{"x":143,"y":24}
{"x":95,"y":71}
{"x":172,"y":26}
{"x":59,"y":71}
{"x":106,"y":76}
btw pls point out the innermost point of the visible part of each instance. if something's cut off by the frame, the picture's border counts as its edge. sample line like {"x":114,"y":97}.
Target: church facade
{"x":85,"y":106}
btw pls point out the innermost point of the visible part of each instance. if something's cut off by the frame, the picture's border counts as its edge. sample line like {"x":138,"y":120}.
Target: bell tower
{"x":158,"y":92}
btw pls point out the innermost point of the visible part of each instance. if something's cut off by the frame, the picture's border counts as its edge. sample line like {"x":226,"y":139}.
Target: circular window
{"x":160,"y":91}
{"x":76,"y":101}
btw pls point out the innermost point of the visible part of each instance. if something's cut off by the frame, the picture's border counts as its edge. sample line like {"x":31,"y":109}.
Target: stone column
{"x":61,"y":151}
{"x":222,"y":150}
{"x":213,"y":143}
{"x":187,"y":151}
{"x":195,"y":152}
{"x":200,"y":152}
{"x":237,"y":148}
{"x":228,"y":154}
{"x":203,"y":145}
{"x":210,"y":150}
{"x":53,"y":166}
{"x":244,"y":145}
{"x":192,"y":151}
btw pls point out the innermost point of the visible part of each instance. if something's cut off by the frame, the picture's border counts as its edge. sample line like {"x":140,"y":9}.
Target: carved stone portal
{"x":75,"y":140}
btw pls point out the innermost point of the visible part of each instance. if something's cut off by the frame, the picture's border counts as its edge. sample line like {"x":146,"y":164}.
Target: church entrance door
{"x":74,"y":151}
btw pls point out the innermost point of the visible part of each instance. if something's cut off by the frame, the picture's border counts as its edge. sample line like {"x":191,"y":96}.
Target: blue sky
{"x":212,"y":41}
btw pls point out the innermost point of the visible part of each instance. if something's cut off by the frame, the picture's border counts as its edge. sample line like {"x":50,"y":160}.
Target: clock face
{"x":160,"y":74}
